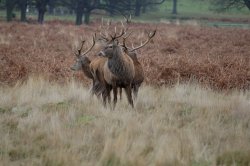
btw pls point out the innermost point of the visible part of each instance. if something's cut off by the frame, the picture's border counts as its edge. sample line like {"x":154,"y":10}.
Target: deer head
{"x":81,"y":58}
{"x":108,"y":50}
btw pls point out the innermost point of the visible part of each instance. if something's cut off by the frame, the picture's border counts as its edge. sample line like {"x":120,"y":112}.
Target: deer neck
{"x":118,"y":64}
{"x":86,"y":70}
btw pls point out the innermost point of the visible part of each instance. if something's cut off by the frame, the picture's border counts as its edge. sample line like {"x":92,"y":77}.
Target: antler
{"x":120,"y":35}
{"x":80,"y":50}
{"x":128,"y":20}
{"x":150,"y":36}
{"x":104,"y":36}
{"x":93,"y":44}
{"x":124,"y":39}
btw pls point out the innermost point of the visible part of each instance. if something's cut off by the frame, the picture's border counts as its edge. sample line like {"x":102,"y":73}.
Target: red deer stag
{"x":139,"y":74}
{"x":83,"y":63}
{"x":118,"y":69}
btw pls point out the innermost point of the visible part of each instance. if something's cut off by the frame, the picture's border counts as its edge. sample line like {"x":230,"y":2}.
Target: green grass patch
{"x":238,"y":158}
{"x":85,"y":119}
{"x":60,"y":106}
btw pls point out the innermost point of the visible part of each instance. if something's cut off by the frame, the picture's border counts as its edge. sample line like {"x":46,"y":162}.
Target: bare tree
{"x":174,"y":11}
{"x":221,"y":5}
{"x":41,"y":8}
{"x":139,"y":4}
{"x":23,"y":7}
{"x":10,"y":5}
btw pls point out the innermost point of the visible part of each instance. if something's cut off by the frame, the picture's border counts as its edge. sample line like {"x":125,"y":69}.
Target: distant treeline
{"x":81,"y":8}
{"x":84,"y":8}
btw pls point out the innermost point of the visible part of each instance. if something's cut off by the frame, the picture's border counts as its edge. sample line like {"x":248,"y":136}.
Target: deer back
{"x":139,"y":74}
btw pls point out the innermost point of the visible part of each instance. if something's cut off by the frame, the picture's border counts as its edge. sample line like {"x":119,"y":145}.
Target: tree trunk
{"x":174,"y":7}
{"x":86,"y":17}
{"x":41,"y":8}
{"x":79,"y":14}
{"x":10,"y":4}
{"x":111,"y":7}
{"x":144,"y":8}
{"x":23,"y":7}
{"x":137,"y":8}
{"x":9,"y":14}
{"x":40,"y":18}
{"x":247,"y":3}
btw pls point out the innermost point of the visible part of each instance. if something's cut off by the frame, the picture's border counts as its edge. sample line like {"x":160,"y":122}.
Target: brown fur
{"x":96,"y":67}
{"x":119,"y":70}
{"x":139,"y":74}
{"x":86,"y":69}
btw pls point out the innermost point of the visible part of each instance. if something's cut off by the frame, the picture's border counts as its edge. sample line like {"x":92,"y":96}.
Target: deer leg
{"x":135,"y":91}
{"x":106,"y":95}
{"x":129,"y":95}
{"x":120,"y":91}
{"x":92,"y":91}
{"x":104,"y":98}
{"x":95,"y":89}
{"x":115,"y":96}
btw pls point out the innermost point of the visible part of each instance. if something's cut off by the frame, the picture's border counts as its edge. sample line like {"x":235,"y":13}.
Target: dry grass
{"x":46,"y":123}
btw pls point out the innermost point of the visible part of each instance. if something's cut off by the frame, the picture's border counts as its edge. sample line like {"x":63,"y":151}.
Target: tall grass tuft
{"x":47,"y":123}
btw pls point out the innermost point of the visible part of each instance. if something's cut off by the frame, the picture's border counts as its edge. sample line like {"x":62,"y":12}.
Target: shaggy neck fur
{"x":119,"y":65}
{"x":86,"y":70}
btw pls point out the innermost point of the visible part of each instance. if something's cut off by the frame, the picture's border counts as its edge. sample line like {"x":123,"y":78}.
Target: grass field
{"x":45,"y":123}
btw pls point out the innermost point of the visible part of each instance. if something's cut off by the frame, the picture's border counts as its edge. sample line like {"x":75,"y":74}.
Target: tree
{"x":85,"y":7}
{"x":139,"y":4}
{"x":174,"y":11}
{"x":131,"y":6}
{"x":23,"y":7}
{"x":118,"y":7}
{"x":82,"y":8}
{"x":10,"y":5}
{"x":41,"y":8}
{"x":221,"y":5}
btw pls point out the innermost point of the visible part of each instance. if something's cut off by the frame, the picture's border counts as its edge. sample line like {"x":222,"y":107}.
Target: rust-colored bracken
{"x":214,"y":57}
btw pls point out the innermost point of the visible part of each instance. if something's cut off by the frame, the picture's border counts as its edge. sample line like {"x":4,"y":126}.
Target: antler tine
{"x":122,"y":24}
{"x":150,"y":36}
{"x":124,"y":43}
{"x":116,"y":37}
{"x":93,"y":38}
{"x":121,"y":34}
{"x":103,"y":36}
{"x":102,"y":22}
{"x":104,"y":29}
{"x":124,"y":38}
{"x":127,"y":35}
{"x":126,"y":18}
{"x":80,"y":50}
